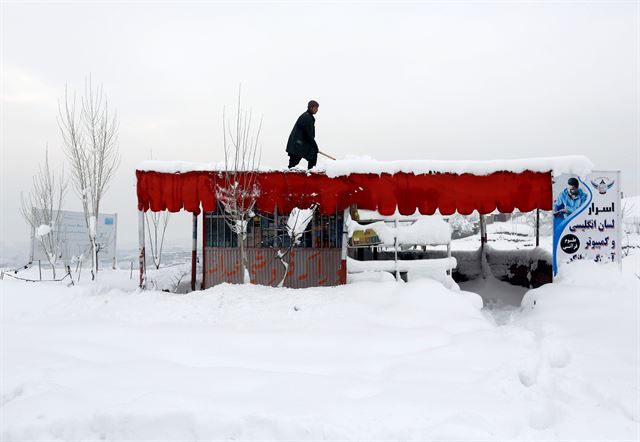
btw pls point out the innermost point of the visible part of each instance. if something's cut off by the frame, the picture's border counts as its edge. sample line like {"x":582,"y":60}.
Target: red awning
{"x":505,"y":191}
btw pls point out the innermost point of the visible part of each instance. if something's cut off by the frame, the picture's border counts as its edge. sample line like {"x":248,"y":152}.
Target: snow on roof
{"x":576,"y":164}
{"x":572,"y":164}
{"x":179,"y":166}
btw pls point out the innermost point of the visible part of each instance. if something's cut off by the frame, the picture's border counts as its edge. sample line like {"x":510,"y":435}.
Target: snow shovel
{"x":326,"y":155}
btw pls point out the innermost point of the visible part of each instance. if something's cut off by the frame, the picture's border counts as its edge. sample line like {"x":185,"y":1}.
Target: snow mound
{"x":426,"y":230}
{"x":370,"y":276}
{"x":241,"y":362}
{"x":592,"y":274}
{"x":587,"y":346}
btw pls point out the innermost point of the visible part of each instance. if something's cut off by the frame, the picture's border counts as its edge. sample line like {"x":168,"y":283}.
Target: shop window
{"x":269,"y":230}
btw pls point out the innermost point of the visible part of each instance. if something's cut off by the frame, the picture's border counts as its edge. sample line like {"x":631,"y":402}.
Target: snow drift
{"x":370,"y":360}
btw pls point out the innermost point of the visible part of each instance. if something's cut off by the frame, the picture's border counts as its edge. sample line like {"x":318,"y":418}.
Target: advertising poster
{"x":586,"y":218}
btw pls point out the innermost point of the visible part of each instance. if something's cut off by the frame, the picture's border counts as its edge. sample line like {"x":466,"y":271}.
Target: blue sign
{"x":586,"y":218}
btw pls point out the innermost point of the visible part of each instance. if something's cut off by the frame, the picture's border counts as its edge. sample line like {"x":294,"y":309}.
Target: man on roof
{"x":302,"y":143}
{"x":570,"y":199}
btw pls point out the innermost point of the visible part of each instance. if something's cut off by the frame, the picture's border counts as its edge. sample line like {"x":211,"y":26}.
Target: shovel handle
{"x":326,"y":155}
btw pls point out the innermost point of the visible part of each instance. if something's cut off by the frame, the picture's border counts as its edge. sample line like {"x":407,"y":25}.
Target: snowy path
{"x":501,"y":299}
{"x":365,"y":361}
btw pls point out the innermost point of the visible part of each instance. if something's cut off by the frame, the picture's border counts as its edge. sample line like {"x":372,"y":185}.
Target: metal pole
{"x":204,"y":246}
{"x":115,"y":241}
{"x":141,"y":252}
{"x":537,"y":227}
{"x":483,"y":241}
{"x":40,"y":270}
{"x":194,"y":251}
{"x":345,"y":241}
{"x":33,"y":237}
{"x":395,"y":248}
{"x":483,"y":231}
{"x":345,"y":236}
{"x":619,"y":220}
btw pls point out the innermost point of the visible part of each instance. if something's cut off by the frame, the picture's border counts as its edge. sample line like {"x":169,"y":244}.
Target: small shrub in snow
{"x":42,"y":207}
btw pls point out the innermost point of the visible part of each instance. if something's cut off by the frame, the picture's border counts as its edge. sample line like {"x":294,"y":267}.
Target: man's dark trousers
{"x":294,"y":160}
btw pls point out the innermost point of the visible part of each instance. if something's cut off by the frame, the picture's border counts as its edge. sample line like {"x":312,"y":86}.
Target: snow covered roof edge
{"x":571,"y":164}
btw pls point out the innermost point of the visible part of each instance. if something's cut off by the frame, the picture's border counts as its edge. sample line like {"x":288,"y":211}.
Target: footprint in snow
{"x":541,"y":417}
{"x":558,"y":356}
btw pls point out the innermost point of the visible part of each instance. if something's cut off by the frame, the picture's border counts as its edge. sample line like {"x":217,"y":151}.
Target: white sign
{"x":73,"y":231}
{"x":586,"y":218}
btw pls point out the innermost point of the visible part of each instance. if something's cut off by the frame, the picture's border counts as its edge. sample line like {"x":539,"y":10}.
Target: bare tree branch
{"x":90,"y":143}
{"x":239,"y":189}
{"x":160,"y":220}
{"x":42,"y":209}
{"x":296,"y":228}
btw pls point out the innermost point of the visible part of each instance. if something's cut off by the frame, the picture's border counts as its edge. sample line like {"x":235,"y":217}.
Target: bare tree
{"x":297,"y":223}
{"x":90,"y":143}
{"x":42,"y":207}
{"x":177,"y":276}
{"x":237,"y":190}
{"x":629,"y":225}
{"x":160,"y":220}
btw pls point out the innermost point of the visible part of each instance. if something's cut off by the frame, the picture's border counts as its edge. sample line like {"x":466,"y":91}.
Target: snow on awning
{"x":572,"y":164}
{"x":385,"y":186}
{"x":447,"y":192}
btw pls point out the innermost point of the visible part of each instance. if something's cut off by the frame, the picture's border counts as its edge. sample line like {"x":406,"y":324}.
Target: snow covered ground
{"x":374,"y":359}
{"x":509,"y":235}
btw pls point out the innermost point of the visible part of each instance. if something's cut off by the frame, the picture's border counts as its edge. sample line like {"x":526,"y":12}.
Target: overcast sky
{"x":437,"y":80}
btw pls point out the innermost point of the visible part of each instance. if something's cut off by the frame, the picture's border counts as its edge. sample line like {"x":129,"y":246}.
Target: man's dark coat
{"x":302,"y":139}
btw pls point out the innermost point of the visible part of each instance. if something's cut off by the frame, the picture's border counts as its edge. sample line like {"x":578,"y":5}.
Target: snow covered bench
{"x":439,"y":265}
{"x":399,"y":231}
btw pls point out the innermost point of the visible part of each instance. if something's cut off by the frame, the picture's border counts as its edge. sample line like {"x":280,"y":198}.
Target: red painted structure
{"x":447,"y":192}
